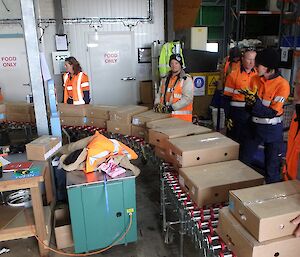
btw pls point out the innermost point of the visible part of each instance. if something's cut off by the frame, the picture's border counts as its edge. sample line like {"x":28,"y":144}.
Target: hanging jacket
{"x":291,"y":169}
{"x":74,"y":88}
{"x":100,"y":148}
{"x":177,"y":91}
{"x":167,"y":50}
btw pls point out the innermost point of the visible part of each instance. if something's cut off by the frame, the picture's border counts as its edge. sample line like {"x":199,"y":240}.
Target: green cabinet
{"x":100,"y":213}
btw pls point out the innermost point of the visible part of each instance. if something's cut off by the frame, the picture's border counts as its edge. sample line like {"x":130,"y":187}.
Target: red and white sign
{"x":8,"y":62}
{"x":111,"y":57}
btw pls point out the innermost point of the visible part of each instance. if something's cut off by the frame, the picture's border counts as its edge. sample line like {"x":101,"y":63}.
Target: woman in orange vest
{"x":76,"y":83}
{"x":292,"y":168}
{"x":176,"y":92}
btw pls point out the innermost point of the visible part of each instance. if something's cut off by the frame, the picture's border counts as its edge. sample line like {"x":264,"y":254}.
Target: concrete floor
{"x":150,"y":238}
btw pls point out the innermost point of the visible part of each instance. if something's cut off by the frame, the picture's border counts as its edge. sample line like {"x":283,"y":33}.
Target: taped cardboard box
{"x":19,"y":108}
{"x":62,"y":228}
{"x":210,"y":183}
{"x":146,"y":92}
{"x":99,"y":111}
{"x":20,"y":117}
{"x":124,"y":113}
{"x":43,"y":148}
{"x":203,"y":149}
{"x":144,"y":117}
{"x":266,"y":211}
{"x":73,"y":121}
{"x":99,"y":123}
{"x":141,"y":132}
{"x":243,"y":244}
{"x":159,"y":136}
{"x":168,"y":122}
{"x":71,"y":110}
{"x":118,"y":127}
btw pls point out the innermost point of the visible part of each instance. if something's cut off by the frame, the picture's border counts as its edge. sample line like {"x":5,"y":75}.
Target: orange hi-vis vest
{"x":291,"y":169}
{"x":73,"y":88}
{"x":173,"y":94}
{"x":100,"y":148}
{"x":230,"y":66}
{"x":236,"y":80}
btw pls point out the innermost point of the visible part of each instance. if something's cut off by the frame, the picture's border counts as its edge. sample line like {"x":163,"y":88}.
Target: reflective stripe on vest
{"x":85,"y":84}
{"x":69,"y":88}
{"x":273,"y":121}
{"x":237,"y":104}
{"x":79,"y":94}
{"x":228,"y":89}
{"x":181,"y":112}
{"x":266,"y":103}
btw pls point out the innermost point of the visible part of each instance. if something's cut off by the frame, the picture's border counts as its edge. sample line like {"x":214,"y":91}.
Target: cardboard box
{"x":99,"y":111}
{"x":137,"y":131}
{"x":149,"y":106}
{"x":125,"y":113}
{"x":43,"y":148}
{"x":266,"y":211}
{"x":20,"y":117}
{"x":210,"y":183}
{"x":237,"y":239}
{"x":118,"y":127}
{"x":144,"y":117}
{"x":168,"y":122}
{"x":159,"y":136}
{"x":62,"y":228}
{"x":99,"y":123}
{"x":73,"y":121}
{"x":146,"y":92}
{"x":162,"y":153}
{"x":19,"y":108}
{"x":71,"y":110}
{"x":2,"y":108}
{"x":203,"y":149}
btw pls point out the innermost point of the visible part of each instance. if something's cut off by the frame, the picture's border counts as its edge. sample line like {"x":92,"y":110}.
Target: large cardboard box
{"x":209,"y":184}
{"x":99,"y":123}
{"x":71,"y":110}
{"x":19,"y":108}
{"x":144,"y":117}
{"x":266,"y":211}
{"x":43,"y":148}
{"x":20,"y":117}
{"x":124,"y":113}
{"x":168,"y":122}
{"x":159,"y":136}
{"x":203,"y":149}
{"x":73,"y":121}
{"x":118,"y":127}
{"x":99,"y":111}
{"x":141,"y":132}
{"x":146,"y":92}
{"x":62,"y":228}
{"x":243,"y":244}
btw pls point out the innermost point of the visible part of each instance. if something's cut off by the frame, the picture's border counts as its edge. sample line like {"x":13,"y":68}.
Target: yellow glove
{"x":229,"y":124}
{"x":157,"y":107}
{"x":250,"y":95}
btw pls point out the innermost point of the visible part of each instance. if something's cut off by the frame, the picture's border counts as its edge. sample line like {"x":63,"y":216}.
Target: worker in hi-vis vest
{"x":176,"y":92}
{"x":76,"y":83}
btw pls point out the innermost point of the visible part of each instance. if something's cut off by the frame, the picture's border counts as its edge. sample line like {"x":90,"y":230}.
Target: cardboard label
{"x":212,"y":82}
{"x":135,"y":121}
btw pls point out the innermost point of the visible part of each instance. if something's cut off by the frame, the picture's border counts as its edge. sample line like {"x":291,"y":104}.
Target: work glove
{"x":229,"y":123}
{"x":160,"y":108}
{"x":250,"y":95}
{"x":157,"y":107}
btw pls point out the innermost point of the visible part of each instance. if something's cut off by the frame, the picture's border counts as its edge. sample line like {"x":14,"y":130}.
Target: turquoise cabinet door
{"x":104,"y":224}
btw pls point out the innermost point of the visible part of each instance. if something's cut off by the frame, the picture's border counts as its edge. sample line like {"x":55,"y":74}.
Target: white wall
{"x":144,"y":33}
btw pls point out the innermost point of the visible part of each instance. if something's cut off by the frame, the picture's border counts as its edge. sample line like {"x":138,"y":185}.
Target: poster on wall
{"x":199,"y":85}
{"x":212,"y":82}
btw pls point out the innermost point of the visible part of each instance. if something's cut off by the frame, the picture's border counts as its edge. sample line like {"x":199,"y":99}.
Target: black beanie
{"x":234,"y":53}
{"x":269,"y":58}
{"x":176,"y":57}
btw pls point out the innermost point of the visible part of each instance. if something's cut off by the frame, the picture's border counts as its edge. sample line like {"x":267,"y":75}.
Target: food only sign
{"x":8,"y":62}
{"x":111,"y":57}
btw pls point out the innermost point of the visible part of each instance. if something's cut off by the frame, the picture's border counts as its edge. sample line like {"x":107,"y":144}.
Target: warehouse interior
{"x":143,"y":128}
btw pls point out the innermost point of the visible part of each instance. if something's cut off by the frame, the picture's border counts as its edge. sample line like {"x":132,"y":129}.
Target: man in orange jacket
{"x":176,"y":92}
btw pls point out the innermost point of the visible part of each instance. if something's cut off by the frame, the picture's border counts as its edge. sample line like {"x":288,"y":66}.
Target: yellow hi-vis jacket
{"x":167,"y":50}
{"x":100,"y":148}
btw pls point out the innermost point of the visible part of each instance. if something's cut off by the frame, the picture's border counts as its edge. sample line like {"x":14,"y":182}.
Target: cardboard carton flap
{"x":168,"y":122}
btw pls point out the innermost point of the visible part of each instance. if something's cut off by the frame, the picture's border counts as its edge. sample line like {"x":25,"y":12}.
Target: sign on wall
{"x":212,"y":82}
{"x":111,"y":57}
{"x":199,"y":85}
{"x":8,"y":61}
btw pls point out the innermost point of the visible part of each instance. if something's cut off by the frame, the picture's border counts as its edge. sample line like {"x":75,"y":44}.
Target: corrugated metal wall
{"x":145,"y":33}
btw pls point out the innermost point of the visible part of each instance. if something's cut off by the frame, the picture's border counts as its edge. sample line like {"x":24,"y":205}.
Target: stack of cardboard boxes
{"x":19,"y":111}
{"x":120,"y":118}
{"x":72,"y":115}
{"x":98,"y":115}
{"x":258,"y":220}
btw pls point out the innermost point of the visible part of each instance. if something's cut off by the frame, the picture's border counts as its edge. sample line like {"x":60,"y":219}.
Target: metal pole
{"x":33,"y":56}
{"x":181,"y":231}
{"x":238,"y":9}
